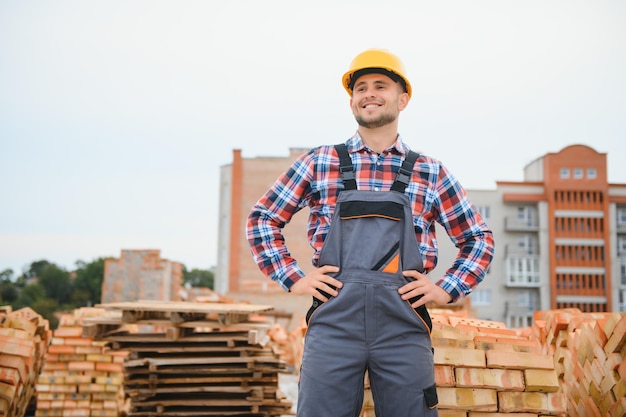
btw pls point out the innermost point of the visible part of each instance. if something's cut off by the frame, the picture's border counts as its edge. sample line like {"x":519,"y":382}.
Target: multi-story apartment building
{"x":560,"y":235}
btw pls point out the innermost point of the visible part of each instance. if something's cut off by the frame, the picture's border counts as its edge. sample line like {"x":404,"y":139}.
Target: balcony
{"x":522,"y":271}
{"x":514,"y":224}
{"x":513,"y":249}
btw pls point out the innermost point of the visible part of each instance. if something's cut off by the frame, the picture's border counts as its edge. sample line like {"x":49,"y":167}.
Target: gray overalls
{"x":368,"y":326}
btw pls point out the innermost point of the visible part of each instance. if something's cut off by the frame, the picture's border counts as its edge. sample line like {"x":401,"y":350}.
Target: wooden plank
{"x":186,"y":307}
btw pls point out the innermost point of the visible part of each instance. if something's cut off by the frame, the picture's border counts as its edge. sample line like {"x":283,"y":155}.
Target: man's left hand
{"x":422,"y":285}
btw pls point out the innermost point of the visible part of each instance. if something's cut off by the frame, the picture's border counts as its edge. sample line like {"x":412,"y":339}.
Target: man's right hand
{"x":316,"y":281}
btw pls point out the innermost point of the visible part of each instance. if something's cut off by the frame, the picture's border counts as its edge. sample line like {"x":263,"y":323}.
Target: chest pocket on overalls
{"x":370,"y":235}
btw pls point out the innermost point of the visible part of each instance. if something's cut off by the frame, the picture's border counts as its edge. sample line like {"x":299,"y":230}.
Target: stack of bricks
{"x":589,"y":351}
{"x":81,"y":376}
{"x":483,"y":369}
{"x":24,"y":339}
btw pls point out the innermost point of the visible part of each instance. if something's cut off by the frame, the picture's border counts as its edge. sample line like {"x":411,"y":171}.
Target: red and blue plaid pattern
{"x":314,"y":181}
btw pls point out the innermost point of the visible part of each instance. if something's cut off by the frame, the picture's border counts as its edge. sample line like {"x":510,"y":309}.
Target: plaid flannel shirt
{"x":314,"y":181}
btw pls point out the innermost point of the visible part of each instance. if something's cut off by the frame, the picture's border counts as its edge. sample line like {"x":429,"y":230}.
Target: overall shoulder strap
{"x":404,"y":173}
{"x":345,"y":167}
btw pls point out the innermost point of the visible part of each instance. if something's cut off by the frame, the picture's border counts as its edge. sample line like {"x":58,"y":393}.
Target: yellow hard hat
{"x":376,"y":60}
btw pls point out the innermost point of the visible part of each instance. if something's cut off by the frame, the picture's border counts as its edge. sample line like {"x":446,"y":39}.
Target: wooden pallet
{"x":194,"y":359}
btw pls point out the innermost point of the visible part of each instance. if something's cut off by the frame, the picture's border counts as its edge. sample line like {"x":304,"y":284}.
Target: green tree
{"x":6,"y":275}
{"x":8,"y":289}
{"x":29,"y":295}
{"x":36,"y":268}
{"x":47,"y":307}
{"x":88,"y":282}
{"x":198,"y":277}
{"x":8,"y":293}
{"x":56,"y":282}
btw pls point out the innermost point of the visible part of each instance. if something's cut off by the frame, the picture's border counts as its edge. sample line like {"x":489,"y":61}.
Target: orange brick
{"x":72,"y":357}
{"x":77,"y":341}
{"x":510,"y":345}
{"x":451,"y":413}
{"x":61,"y":349}
{"x":444,"y":376}
{"x":608,"y":382}
{"x":470,"y":321}
{"x":531,"y":402}
{"x":518,"y":360}
{"x":16,"y":346}
{"x":15,"y":362}
{"x":460,"y":357}
{"x":619,"y":389}
{"x":543,"y":380}
{"x":484,"y":338}
{"x":592,"y":409}
{"x":617,"y":340}
{"x":603,"y":401}
{"x":619,"y":408}
{"x":81,"y":366}
{"x":109,"y":367}
{"x":78,"y":379}
{"x":446,"y":342}
{"x":498,"y":332}
{"x":621,"y":368}
{"x":68,"y":332}
{"x":468,"y":399}
{"x":482,"y":414}
{"x":466,"y":328}
{"x":111,"y":380}
{"x":89,"y":350}
{"x":99,"y":358}
{"x":85,"y":388}
{"x":10,"y":375}
{"x":10,"y":331}
{"x":611,"y":321}
{"x":449,"y":332}
{"x":504,"y":379}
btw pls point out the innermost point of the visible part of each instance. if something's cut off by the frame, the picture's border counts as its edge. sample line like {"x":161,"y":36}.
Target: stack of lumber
{"x":589,"y":351}
{"x":194,"y":359}
{"x":24,"y":339}
{"x":484,"y":369}
{"x":81,"y":376}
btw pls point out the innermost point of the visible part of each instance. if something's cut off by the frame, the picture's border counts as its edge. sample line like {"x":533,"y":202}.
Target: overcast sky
{"x":116,"y":116}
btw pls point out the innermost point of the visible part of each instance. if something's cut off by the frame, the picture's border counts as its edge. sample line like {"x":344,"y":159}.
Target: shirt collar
{"x":356,"y":144}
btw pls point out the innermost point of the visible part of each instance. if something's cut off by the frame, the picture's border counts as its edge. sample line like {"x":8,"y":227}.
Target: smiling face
{"x":377,"y":100}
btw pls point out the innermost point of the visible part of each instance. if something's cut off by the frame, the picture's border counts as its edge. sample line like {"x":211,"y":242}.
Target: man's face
{"x":377,"y":100}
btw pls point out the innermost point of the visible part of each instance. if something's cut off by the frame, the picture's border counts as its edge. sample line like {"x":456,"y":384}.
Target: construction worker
{"x":373,"y":203}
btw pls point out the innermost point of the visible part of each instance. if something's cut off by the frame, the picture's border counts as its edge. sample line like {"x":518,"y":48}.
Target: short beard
{"x":383,"y":120}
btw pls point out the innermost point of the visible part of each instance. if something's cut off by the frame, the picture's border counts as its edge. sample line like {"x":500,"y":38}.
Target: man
{"x":373,"y":204}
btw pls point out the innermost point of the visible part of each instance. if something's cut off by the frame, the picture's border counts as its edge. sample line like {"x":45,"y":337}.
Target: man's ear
{"x":403,"y":101}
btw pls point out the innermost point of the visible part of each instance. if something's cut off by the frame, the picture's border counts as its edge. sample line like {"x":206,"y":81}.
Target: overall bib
{"x":368,"y":326}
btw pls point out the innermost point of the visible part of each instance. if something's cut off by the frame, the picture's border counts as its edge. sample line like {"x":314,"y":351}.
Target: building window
{"x":525,"y":216}
{"x":484,"y":212}
{"x":621,"y":217}
{"x":578,"y":173}
{"x":526,"y":244}
{"x":526,"y":299}
{"x":622,"y":272}
{"x":592,"y":174}
{"x":621,"y":246}
{"x":523,"y":271}
{"x":481,"y":297}
{"x":564,"y":173}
